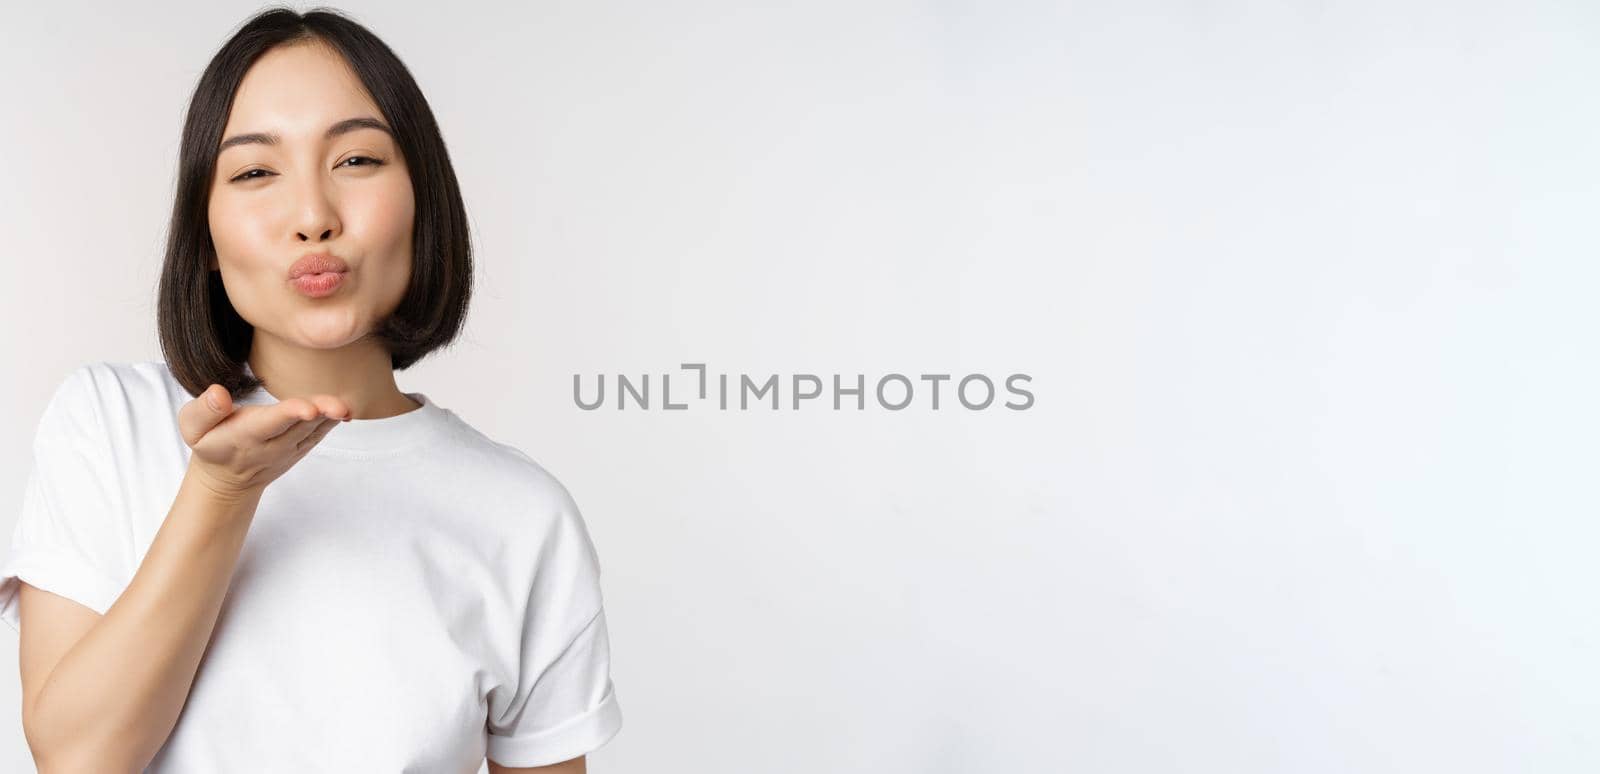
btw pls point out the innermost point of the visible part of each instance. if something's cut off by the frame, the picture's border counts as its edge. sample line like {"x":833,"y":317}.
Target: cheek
{"x":382,"y":219}
{"x":228,"y":231}
{"x":382,"y":224}
{"x":238,"y":232}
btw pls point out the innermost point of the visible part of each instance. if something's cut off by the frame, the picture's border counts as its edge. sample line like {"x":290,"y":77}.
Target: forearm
{"x":115,"y":696}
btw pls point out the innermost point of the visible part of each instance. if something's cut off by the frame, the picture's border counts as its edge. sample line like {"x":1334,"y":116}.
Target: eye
{"x":247,"y":175}
{"x":373,"y":162}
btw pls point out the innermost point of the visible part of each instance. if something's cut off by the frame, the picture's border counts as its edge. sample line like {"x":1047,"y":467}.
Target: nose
{"x":318,"y":219}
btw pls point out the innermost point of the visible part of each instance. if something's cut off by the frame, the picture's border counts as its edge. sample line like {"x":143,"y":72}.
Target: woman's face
{"x":323,"y":187}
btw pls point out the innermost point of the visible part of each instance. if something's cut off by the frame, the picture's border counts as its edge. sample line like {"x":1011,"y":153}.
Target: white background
{"x":1307,"y":292}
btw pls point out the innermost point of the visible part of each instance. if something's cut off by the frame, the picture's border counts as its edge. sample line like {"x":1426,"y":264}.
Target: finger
{"x":293,"y":437}
{"x":315,"y":436}
{"x":204,"y":412}
{"x":332,"y":406}
{"x":284,"y":416}
{"x":311,"y":441}
{"x":296,"y":448}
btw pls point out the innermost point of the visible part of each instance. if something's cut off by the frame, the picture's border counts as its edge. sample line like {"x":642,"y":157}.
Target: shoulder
{"x":511,"y":467}
{"x":102,"y":380}
{"x":539,"y":500}
{"x":97,"y":396}
{"x":81,"y":397}
{"x":107,"y":382}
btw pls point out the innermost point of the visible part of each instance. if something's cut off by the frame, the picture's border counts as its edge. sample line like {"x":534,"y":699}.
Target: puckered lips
{"x":318,"y":275}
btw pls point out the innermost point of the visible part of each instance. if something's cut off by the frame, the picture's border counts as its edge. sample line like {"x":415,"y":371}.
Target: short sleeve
{"x":563,"y":704}
{"x":66,"y":540}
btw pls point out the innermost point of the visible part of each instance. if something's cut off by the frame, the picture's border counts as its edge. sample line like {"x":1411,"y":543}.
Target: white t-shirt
{"x":411,"y":595}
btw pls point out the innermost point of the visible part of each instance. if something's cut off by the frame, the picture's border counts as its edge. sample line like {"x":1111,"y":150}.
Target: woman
{"x":260,"y":554}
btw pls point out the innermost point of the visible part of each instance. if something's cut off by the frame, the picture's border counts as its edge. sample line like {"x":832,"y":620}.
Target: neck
{"x":359,"y":373}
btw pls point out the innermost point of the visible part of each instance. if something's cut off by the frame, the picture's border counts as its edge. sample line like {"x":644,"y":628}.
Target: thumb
{"x":218,"y":399}
{"x":198,"y":416}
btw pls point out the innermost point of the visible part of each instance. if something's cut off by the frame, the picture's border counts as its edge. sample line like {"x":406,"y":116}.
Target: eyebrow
{"x":272,"y":138}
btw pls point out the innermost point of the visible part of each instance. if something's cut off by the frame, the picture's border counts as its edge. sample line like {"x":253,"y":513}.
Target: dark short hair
{"x":203,"y":338}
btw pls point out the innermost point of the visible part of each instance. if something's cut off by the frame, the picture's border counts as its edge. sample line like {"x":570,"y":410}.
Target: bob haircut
{"x":203,"y":338}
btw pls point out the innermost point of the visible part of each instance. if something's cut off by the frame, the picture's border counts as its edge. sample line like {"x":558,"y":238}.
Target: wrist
{"x":219,"y":490}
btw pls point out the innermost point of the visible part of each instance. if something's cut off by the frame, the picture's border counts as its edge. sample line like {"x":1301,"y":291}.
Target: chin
{"x":328,"y":331}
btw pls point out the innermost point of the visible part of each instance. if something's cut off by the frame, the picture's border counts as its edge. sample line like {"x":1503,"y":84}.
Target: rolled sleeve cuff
{"x":57,"y":572}
{"x":574,"y":737}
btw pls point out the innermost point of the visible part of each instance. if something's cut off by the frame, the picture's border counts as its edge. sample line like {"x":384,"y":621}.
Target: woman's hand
{"x":238,"y":450}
